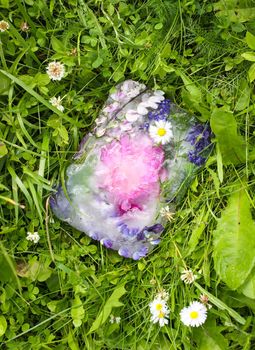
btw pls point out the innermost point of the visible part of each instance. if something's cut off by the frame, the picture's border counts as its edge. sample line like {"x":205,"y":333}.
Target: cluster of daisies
{"x":193,"y":315}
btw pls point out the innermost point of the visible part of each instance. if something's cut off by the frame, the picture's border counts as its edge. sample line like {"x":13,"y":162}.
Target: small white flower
{"x":100,"y":120}
{"x":55,"y":70}
{"x":33,"y":237}
{"x":159,"y":93}
{"x":132,"y":88}
{"x":163,"y":294}
{"x":160,"y":317}
{"x":158,"y":305}
{"x":188,"y":277}
{"x":100,"y":131}
{"x":118,"y":96}
{"x":194,"y":315}
{"x":56,"y":102}
{"x":115,"y":319}
{"x":141,"y":108}
{"x":161,"y":131}
{"x":166,"y":212}
{"x":159,"y":309}
{"x":132,"y":115}
{"x":4,"y":26}
{"x":111,"y":108}
{"x":205,"y":300}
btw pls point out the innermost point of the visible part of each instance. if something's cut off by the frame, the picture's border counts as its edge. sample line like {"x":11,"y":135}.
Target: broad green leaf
{"x":3,"y":325}
{"x":232,"y":145}
{"x":73,"y":345}
{"x":112,"y":302}
{"x":249,"y":56}
{"x":191,"y":87}
{"x":209,"y":337}
{"x":244,"y":97}
{"x":251,"y":72}
{"x":250,"y":40}
{"x":234,"y":244}
{"x":97,"y":62}
{"x":57,"y":45}
{"x":77,"y":312}
{"x":248,"y":288}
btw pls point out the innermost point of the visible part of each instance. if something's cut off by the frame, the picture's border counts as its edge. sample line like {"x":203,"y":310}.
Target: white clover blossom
{"x":55,"y":70}
{"x":56,"y":102}
{"x":194,"y":315}
{"x":4,"y":26}
{"x":24,"y":27}
{"x":187,"y":276}
{"x":166,"y":212}
{"x":163,"y":294}
{"x":33,"y":237}
{"x":161,"y":131}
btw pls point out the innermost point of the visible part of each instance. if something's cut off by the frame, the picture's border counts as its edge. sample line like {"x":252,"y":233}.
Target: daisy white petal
{"x":158,"y":305}
{"x":161,"y":318}
{"x":194,"y":315}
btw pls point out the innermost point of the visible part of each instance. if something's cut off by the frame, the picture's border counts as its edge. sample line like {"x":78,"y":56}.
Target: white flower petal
{"x":132,"y":115}
{"x":141,"y":108}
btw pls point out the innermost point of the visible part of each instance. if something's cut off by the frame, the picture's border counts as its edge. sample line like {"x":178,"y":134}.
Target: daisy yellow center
{"x":193,"y":314}
{"x":159,"y":307}
{"x":161,"y":314}
{"x":161,"y":132}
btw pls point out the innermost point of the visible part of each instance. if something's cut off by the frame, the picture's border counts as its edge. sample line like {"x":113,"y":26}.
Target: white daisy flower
{"x":55,"y":70}
{"x":194,"y":315}
{"x":160,"y":317}
{"x":161,"y":131}
{"x":4,"y":26}
{"x":158,"y":305}
{"x":33,"y":237}
{"x":159,"y":309}
{"x":56,"y":102}
{"x":188,"y":277}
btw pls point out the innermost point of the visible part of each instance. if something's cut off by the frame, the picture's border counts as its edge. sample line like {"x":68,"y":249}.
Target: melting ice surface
{"x":140,"y":156}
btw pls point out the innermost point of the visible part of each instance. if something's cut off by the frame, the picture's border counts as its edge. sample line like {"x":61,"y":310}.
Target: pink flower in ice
{"x":129,"y":172}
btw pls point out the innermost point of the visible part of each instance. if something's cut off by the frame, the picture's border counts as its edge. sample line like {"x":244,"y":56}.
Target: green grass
{"x":58,"y":293}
